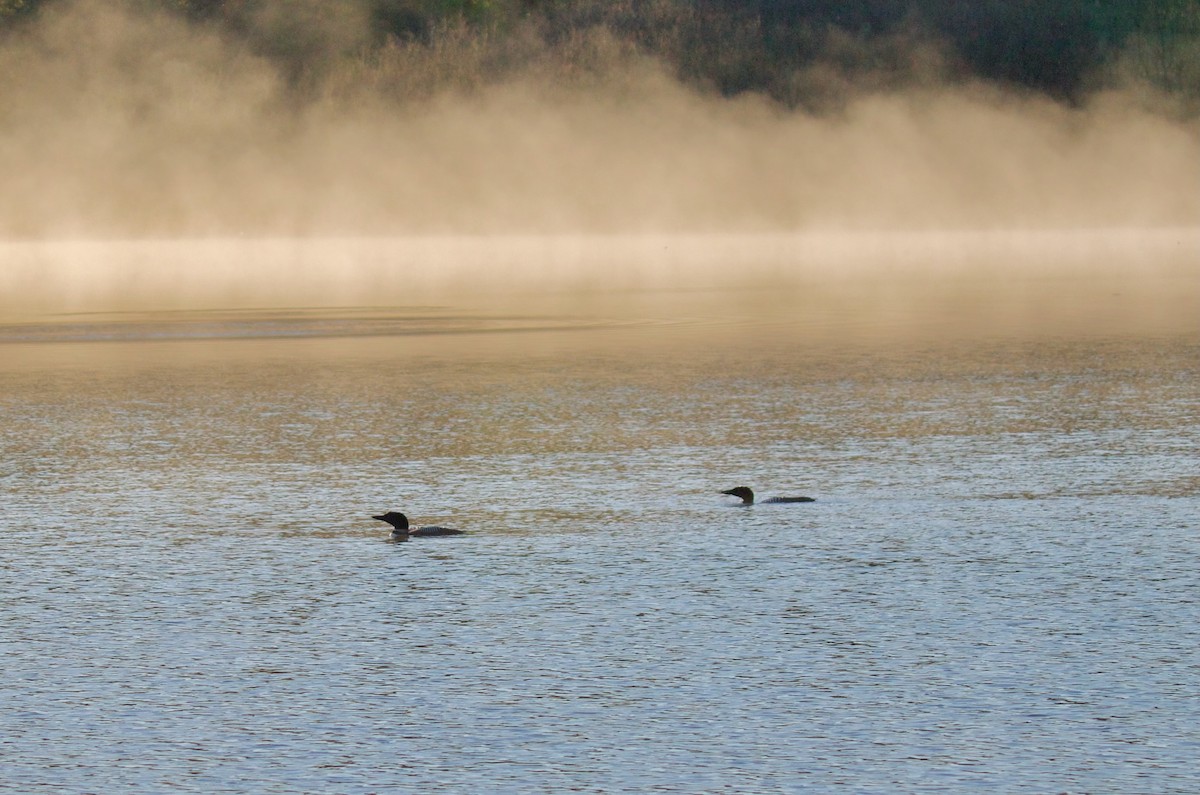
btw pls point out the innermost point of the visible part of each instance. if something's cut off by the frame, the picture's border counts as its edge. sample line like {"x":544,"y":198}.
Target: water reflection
{"x":994,"y":590}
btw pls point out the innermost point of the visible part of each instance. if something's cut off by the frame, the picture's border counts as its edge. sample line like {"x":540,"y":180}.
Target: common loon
{"x":401,"y":531}
{"x":747,"y":496}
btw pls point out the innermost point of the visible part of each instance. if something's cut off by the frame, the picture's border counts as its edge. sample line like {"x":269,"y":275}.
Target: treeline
{"x":1063,"y":48}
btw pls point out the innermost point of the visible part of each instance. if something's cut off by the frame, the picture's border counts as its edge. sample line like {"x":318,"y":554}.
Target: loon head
{"x":396,"y":519}
{"x":744,"y":492}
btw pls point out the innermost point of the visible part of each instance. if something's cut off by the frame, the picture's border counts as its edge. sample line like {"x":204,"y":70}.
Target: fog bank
{"x":161,"y":130}
{"x":1155,"y":271}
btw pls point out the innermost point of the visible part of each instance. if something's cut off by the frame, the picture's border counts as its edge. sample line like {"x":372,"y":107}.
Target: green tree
{"x":1166,"y":43}
{"x":11,"y":8}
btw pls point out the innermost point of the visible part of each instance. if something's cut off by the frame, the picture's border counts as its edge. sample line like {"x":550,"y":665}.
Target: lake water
{"x":997,"y":590}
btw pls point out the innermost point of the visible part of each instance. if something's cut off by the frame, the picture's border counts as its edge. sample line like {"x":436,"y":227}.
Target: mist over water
{"x":408,"y":174}
{"x":964,"y":283}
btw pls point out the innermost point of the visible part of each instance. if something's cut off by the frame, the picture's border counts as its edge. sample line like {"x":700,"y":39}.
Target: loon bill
{"x":747,"y":496}
{"x":402,"y":532}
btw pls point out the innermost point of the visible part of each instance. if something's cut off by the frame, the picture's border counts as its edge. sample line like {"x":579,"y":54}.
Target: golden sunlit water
{"x":994,"y":591}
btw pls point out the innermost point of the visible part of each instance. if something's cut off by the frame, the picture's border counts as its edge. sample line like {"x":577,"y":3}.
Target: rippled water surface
{"x":997,"y":589}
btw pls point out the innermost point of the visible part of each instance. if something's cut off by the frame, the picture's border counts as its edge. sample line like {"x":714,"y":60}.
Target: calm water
{"x":998,"y":589}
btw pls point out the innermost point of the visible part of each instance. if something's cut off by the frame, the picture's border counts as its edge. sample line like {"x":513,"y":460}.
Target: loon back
{"x":746,"y":494}
{"x":434,"y":530}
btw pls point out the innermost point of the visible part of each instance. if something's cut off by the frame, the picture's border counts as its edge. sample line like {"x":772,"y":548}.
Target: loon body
{"x":402,"y":532}
{"x":747,"y":496}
